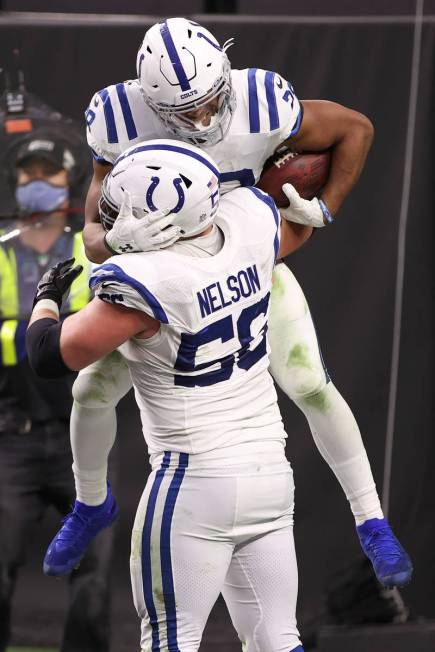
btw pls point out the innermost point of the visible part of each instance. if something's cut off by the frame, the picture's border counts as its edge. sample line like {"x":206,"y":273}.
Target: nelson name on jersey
{"x":219,"y":295}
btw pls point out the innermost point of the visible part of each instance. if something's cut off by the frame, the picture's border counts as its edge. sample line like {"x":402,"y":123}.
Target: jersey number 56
{"x":221,"y":330}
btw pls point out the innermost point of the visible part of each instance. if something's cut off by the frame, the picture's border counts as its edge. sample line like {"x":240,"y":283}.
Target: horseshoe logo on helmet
{"x":177,"y":184}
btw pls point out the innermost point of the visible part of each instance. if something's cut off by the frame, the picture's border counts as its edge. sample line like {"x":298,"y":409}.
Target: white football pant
{"x":297,"y":366}
{"x":201,"y":530}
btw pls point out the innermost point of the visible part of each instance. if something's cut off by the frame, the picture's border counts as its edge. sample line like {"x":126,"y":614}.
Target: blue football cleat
{"x":390,"y":561}
{"x":79,"y":528}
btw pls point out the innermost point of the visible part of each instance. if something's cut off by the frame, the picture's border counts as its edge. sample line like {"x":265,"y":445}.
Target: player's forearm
{"x":57,"y":348}
{"x":93,"y":233}
{"x":347,"y":133}
{"x":43,"y":341}
{"x":348,"y":159}
{"x":93,"y":238}
{"x":43,"y":313}
{"x":293,"y":237}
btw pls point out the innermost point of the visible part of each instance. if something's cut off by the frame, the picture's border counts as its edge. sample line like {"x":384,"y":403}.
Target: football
{"x":307,"y":172}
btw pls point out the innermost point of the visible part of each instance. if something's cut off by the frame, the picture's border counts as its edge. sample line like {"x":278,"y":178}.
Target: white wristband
{"x":47,"y":304}
{"x":327,"y":215}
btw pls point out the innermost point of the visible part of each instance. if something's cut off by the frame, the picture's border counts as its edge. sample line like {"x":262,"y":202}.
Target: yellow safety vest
{"x":10,"y":303}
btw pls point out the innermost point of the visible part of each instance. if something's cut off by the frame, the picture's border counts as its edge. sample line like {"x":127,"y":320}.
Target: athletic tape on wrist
{"x":47,"y":304}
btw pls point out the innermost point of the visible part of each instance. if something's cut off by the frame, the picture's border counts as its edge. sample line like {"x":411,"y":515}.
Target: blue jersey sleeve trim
{"x":271,"y":100}
{"x":174,"y":57}
{"x":254,"y":109}
{"x":99,"y":158}
{"x":297,"y":124}
{"x":112,"y":134}
{"x":126,"y":111}
{"x":267,"y":199}
{"x":119,"y":275}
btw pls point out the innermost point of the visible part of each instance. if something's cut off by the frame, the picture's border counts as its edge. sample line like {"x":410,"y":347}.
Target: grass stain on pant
{"x":319,"y":401}
{"x":299,"y":357}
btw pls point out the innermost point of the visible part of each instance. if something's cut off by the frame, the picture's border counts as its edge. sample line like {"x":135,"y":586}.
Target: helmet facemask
{"x":177,"y":120}
{"x":108,"y":209}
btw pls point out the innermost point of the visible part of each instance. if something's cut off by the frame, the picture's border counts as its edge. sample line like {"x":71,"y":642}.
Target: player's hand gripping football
{"x":313,"y":212}
{"x":149,"y":233}
{"x":56,"y":283}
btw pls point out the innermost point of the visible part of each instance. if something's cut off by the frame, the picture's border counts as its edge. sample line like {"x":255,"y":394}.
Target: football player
{"x":191,"y":322}
{"x":186,"y":89}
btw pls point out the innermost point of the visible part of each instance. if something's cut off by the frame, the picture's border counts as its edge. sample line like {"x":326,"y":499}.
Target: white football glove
{"x":149,"y":233}
{"x":312,"y":212}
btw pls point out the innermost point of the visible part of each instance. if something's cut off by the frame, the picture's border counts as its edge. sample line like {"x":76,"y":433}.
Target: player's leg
{"x":260,"y":591}
{"x":261,"y":585}
{"x":180,"y":553}
{"x":297,"y":367}
{"x":97,"y":391}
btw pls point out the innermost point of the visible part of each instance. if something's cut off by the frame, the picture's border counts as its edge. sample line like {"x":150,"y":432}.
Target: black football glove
{"x":56,"y":282}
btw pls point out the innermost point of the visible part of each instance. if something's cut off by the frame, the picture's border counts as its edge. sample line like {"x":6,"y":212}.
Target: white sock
{"x":93,"y":433}
{"x":338,"y":439}
{"x":97,"y":390}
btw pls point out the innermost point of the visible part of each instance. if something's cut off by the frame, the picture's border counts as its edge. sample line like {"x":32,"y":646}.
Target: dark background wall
{"x":252,"y":7}
{"x":348,"y":271}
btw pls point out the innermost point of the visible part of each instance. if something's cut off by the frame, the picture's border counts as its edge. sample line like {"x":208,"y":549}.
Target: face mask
{"x":40,"y":196}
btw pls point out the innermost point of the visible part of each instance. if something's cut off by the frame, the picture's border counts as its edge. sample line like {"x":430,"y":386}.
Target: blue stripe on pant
{"x":146,"y":553}
{"x":165,"y":552}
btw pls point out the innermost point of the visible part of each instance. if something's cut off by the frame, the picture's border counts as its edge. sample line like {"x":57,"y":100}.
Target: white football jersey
{"x":202,"y":382}
{"x":267,"y":113}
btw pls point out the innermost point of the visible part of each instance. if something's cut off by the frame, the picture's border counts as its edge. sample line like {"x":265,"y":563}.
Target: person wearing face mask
{"x":35,"y":455}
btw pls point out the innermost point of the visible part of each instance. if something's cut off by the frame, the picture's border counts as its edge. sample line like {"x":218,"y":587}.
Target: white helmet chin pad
{"x":163,"y":175}
{"x":181,"y":67}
